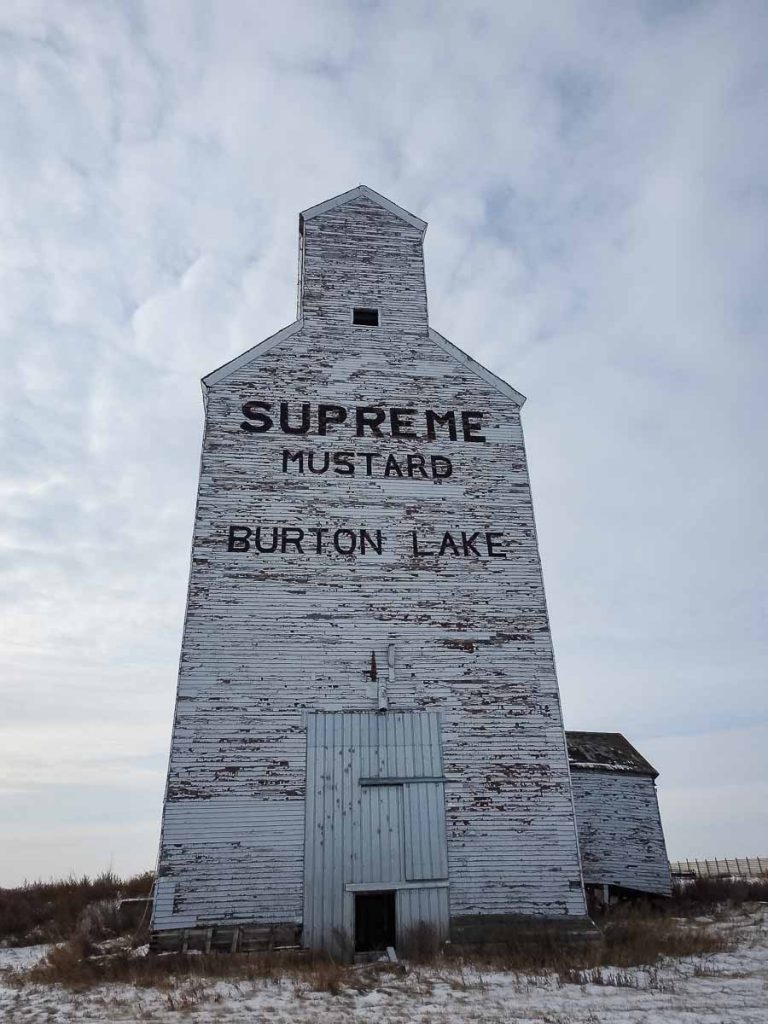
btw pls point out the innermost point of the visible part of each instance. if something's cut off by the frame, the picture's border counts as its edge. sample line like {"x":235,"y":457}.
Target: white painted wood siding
{"x":270,"y":636}
{"x":620,"y":833}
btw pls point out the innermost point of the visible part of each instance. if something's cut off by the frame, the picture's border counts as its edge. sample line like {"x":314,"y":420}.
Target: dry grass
{"x":704,"y":893}
{"x":51,"y":911}
{"x":422,"y":944}
{"x":635,"y":937}
{"x":630,"y":935}
{"x":78,"y":966}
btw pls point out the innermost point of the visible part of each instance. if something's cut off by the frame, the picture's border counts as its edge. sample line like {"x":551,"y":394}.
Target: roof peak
{"x":357,"y":193}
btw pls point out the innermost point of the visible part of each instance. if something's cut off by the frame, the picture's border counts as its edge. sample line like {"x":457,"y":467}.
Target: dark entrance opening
{"x":375,"y":925}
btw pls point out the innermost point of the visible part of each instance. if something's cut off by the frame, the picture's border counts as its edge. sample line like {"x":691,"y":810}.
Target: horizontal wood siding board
{"x":620,"y":833}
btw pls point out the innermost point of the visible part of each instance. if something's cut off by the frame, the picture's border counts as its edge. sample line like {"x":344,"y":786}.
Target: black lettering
{"x":415,"y":544}
{"x":328,"y":414}
{"x":392,"y":467}
{"x":262,"y":423}
{"x":323,"y":467}
{"x":448,"y":419}
{"x":468,"y":543}
{"x":401,"y":422}
{"x":351,"y":535}
{"x":297,"y":457}
{"x":260,"y":547}
{"x":490,"y":540}
{"x":369,"y":457}
{"x":319,"y":531}
{"x":296,"y":539}
{"x":343,"y":463}
{"x":375,"y":544}
{"x":416,"y":462}
{"x":441,"y":467}
{"x":448,"y":541}
{"x":471,"y":422}
{"x":369,"y":416}
{"x":286,"y":427}
{"x":238,"y":538}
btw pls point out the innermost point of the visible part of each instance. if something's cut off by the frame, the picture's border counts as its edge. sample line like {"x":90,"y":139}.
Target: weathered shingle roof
{"x":606,"y":751}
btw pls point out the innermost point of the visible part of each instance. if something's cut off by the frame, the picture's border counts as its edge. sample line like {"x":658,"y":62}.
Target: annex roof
{"x":607,"y":752}
{"x":368,"y":193}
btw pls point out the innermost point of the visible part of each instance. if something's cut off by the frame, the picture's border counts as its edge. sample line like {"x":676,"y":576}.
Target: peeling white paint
{"x":270,"y":636}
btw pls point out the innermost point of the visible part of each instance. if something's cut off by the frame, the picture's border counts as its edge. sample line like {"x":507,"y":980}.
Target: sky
{"x":594,"y":177}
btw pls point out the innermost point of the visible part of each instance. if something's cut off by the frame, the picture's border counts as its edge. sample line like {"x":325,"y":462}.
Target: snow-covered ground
{"x":726,"y":988}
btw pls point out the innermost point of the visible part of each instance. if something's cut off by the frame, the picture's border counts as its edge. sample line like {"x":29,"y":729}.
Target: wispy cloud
{"x":594,"y":177}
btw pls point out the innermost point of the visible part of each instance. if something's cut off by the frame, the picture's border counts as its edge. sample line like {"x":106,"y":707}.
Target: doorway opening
{"x":375,"y":921}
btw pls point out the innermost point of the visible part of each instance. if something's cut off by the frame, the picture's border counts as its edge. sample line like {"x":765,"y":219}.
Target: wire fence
{"x":724,"y":867}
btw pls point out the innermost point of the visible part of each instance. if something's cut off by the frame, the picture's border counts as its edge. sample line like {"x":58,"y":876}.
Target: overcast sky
{"x":595,"y":179}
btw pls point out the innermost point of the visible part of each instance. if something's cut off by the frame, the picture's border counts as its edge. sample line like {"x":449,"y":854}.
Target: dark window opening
{"x":365,"y":317}
{"x":374,"y":921}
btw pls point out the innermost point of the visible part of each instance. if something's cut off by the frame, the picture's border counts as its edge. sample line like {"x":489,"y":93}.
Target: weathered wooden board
{"x":281,"y":622}
{"x":620,"y":833}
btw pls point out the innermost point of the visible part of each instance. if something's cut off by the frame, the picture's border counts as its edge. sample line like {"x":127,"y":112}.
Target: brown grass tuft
{"x":639,"y":937}
{"x":78,"y":965}
{"x":421,"y":944}
{"x":50,"y":911}
{"x":691,"y":896}
{"x":630,"y":936}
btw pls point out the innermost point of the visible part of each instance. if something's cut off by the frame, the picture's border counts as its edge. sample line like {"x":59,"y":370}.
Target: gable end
{"x":227,"y":369}
{"x":477,"y":368}
{"x":362,"y":191}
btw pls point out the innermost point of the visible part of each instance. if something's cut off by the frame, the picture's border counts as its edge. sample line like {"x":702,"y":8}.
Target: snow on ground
{"x":21,"y":958}
{"x":726,"y":988}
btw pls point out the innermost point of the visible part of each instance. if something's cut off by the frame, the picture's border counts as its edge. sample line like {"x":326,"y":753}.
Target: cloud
{"x":115,"y":756}
{"x":714,"y":793}
{"x":594,"y":177}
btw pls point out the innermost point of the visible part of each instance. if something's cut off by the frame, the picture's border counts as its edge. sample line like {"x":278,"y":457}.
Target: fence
{"x":726,"y":867}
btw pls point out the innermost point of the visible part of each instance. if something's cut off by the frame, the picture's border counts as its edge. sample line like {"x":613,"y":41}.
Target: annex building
{"x":368,"y":736}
